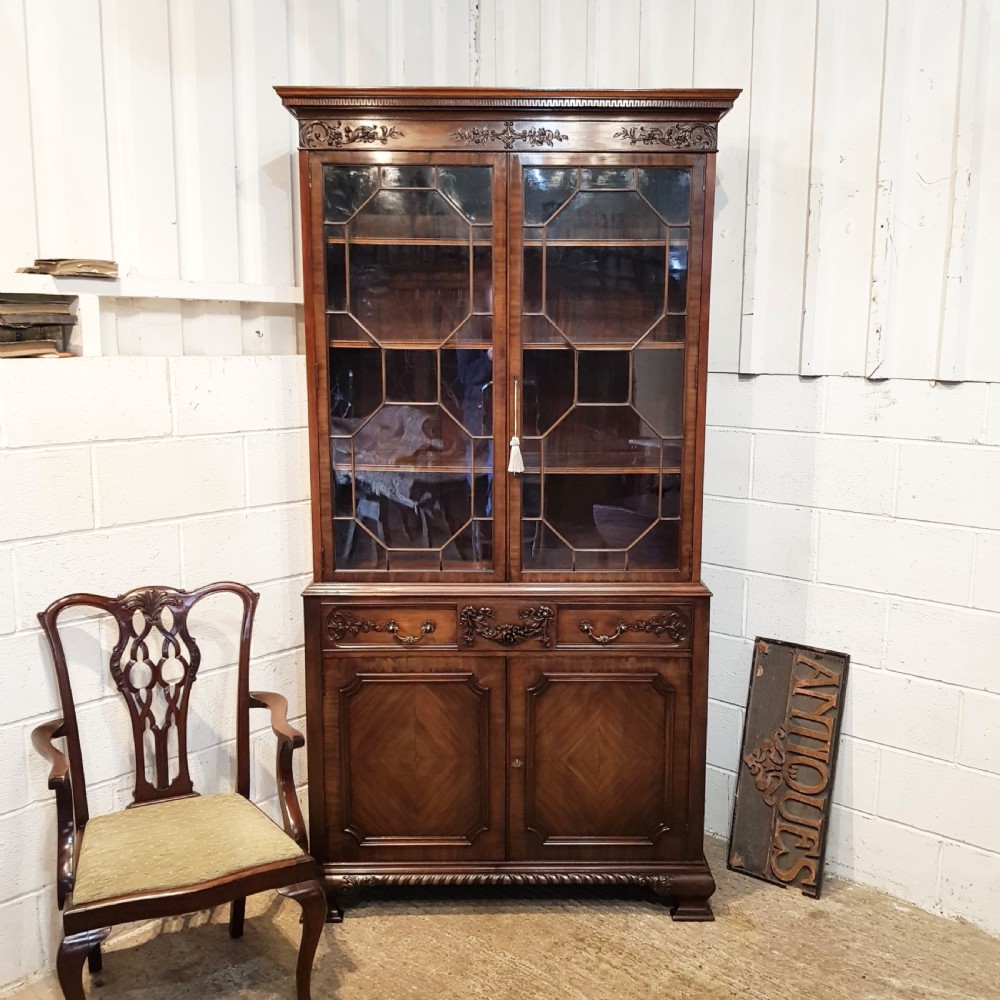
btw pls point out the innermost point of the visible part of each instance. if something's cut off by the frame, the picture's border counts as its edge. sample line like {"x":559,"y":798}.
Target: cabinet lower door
{"x":414,"y":758}
{"x":599,"y":754}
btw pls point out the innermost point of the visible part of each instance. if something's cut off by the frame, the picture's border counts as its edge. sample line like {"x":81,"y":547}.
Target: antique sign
{"x":785,"y":777}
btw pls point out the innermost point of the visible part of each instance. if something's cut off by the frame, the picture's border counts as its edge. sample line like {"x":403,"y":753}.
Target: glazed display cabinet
{"x":507,"y":636}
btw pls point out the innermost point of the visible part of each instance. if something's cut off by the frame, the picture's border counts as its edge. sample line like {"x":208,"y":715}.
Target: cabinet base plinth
{"x":683,"y":886}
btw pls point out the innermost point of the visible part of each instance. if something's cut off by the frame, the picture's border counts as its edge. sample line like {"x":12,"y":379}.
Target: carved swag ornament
{"x":482,"y":134}
{"x":535,"y":625}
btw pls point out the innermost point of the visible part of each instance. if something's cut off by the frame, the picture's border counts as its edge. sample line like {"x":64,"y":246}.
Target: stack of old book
{"x":72,"y":267}
{"x":36,"y":326}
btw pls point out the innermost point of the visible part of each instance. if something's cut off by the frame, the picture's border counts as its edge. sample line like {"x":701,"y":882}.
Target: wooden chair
{"x":171,"y":851}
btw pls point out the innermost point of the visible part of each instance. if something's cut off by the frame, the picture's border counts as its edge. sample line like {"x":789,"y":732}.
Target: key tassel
{"x":516,"y":462}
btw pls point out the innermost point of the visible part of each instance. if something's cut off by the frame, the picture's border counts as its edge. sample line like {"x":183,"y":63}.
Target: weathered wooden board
{"x":789,"y":749}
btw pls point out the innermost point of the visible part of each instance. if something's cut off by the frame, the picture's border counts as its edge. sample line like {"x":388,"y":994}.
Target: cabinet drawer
{"x":357,"y":626}
{"x":663,"y":626}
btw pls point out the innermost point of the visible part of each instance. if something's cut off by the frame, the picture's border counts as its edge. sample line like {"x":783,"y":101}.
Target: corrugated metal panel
{"x":854,"y":229}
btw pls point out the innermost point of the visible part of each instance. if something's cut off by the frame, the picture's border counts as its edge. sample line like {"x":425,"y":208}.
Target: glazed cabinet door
{"x":413,"y":753}
{"x":607,"y":302}
{"x":598,"y":757}
{"x":409,"y":300}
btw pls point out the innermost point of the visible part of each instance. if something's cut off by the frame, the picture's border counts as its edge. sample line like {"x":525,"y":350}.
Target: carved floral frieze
{"x":333,"y":135}
{"x":677,"y":135}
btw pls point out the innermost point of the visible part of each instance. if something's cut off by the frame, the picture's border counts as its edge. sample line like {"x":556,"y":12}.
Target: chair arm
{"x":59,"y":780}
{"x":289,"y":740}
{"x":278,"y":705}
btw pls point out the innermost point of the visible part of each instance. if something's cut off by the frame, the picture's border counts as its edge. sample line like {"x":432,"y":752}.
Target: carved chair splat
{"x":138,"y":864}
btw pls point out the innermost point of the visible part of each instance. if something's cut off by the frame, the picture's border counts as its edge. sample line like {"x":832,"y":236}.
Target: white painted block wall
{"x":865,"y":517}
{"x":118,"y":472}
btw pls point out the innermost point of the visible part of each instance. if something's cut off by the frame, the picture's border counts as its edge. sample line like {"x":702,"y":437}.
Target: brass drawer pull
{"x":517,"y":762}
{"x":587,"y":628}
{"x":392,"y":628}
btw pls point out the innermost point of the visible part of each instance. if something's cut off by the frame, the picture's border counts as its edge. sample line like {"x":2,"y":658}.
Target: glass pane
{"x":342,"y":457}
{"x":344,"y":327}
{"x":531,"y":279}
{"x":547,"y":389}
{"x":471,"y":548}
{"x":355,"y":386}
{"x":467,"y":389}
{"x":668,"y":330}
{"x":658,"y":549}
{"x":677,"y":283}
{"x":605,"y":294}
{"x":577,"y":507}
{"x":404,"y":214}
{"x":482,"y":279}
{"x":594,"y":437}
{"x":409,"y":292}
{"x":409,"y":176}
{"x":538,"y":330}
{"x":336,"y":277}
{"x":608,"y":177}
{"x":546,"y":191}
{"x":658,"y":388}
{"x":470,"y":189}
{"x":477,"y":329}
{"x":668,"y":190}
{"x":543,"y":549}
{"x":603,"y":376}
{"x":411,"y":437}
{"x":411,"y":376}
{"x":607,"y":215}
{"x":345,"y":189}
{"x":359,"y":544}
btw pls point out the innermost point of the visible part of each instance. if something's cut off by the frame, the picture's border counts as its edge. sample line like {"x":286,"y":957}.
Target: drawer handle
{"x":392,"y":628}
{"x":587,"y":628}
{"x":517,"y":762}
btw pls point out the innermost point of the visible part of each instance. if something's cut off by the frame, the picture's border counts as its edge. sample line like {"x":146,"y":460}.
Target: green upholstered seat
{"x":176,"y":843}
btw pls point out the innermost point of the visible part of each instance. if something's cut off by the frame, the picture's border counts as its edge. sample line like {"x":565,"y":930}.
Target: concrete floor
{"x":766,"y":944}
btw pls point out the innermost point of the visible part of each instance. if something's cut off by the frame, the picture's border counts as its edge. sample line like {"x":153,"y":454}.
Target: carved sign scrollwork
{"x":678,"y":135}
{"x":766,"y":763}
{"x":323,"y":135}
{"x":534,"y":625}
{"x":481,"y":134}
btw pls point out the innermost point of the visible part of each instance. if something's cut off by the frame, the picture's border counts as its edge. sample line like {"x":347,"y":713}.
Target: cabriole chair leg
{"x":312,"y":899}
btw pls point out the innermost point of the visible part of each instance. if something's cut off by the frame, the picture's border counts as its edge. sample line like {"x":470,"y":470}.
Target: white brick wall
{"x":116,"y":472}
{"x":865,"y":517}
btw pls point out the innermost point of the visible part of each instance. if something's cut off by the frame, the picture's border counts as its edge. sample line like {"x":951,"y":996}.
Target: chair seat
{"x":174,"y":844}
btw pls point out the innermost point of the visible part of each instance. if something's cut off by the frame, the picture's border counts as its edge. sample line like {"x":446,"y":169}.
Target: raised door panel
{"x":414,"y":758}
{"x":599,"y":756}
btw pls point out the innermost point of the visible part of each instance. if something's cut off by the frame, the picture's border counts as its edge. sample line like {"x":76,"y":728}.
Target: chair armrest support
{"x":59,"y":781}
{"x":289,"y":740}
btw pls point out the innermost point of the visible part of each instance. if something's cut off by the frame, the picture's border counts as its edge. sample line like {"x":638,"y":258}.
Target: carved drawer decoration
{"x":659,"y":626}
{"x":532,"y":624}
{"x":368,"y":627}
